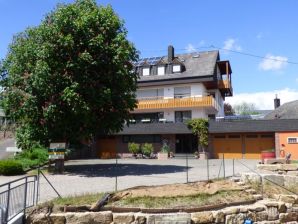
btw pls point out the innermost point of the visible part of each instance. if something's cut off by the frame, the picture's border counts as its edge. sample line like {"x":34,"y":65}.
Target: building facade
{"x":171,"y":90}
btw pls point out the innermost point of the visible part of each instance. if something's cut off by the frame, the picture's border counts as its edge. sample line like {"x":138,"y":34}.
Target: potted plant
{"x":164,"y":152}
{"x":147,"y":150}
{"x":197,"y":154}
{"x":199,"y":127}
{"x":134,"y":148}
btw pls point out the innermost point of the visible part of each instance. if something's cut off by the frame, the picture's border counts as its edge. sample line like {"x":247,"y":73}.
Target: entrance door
{"x":186,"y":144}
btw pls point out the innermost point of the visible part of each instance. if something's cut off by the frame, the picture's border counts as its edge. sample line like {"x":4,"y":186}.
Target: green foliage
{"x":32,"y":158}
{"x":147,"y":149}
{"x":70,"y":77}
{"x":199,"y":127}
{"x":245,"y":109}
{"x":228,"y":109}
{"x":133,"y":148}
{"x":10,"y":168}
{"x":165,"y":148}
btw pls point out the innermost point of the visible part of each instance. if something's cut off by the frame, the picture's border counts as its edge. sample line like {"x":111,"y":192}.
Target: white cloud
{"x":190,"y":48}
{"x":274,"y":63}
{"x":232,"y":44}
{"x":264,"y":100}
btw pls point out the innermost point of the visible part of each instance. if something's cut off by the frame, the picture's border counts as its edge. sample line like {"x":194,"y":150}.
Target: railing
{"x":16,"y":196}
{"x":204,"y":102}
{"x":224,"y":84}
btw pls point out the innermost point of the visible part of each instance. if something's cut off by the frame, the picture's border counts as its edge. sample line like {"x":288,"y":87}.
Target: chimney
{"x":276,"y":102}
{"x":170,"y":53}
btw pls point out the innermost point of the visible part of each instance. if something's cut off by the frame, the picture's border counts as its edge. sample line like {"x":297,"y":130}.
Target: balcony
{"x":226,"y":87}
{"x":187,"y":102}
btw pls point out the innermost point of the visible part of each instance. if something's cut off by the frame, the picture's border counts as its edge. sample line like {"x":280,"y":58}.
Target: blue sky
{"x":265,"y":28}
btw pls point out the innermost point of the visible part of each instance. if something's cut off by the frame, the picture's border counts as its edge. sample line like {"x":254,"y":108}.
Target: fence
{"x":16,"y":196}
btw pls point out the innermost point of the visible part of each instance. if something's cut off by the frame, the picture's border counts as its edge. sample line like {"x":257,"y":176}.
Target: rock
{"x":272,"y":213}
{"x":252,"y":216}
{"x":282,"y":208}
{"x":43,"y":219}
{"x":120,"y":218}
{"x":235,"y":179}
{"x":183,"y":218}
{"x":287,"y":198}
{"x":231,"y":210}
{"x":269,"y":222}
{"x":275,"y":178}
{"x":288,"y":217}
{"x":219,"y":216}
{"x":89,"y":217}
{"x":288,"y":167}
{"x":269,"y":167}
{"x":235,"y":218}
{"x":250,"y":191}
{"x":292,"y":173}
{"x":140,"y":218}
{"x":290,"y":181}
{"x":256,"y":208}
{"x":240,"y":183}
{"x":250,"y":177}
{"x":262,"y":216}
{"x":257,"y":196}
{"x":243,"y":209}
{"x":202,"y":217}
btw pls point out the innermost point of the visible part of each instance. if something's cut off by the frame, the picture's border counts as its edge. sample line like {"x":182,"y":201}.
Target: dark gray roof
{"x":155,"y":128}
{"x":253,"y":126}
{"x":285,"y":111}
{"x":197,"y":65}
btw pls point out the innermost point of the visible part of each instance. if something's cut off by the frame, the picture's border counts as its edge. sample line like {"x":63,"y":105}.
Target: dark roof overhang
{"x":222,"y":66}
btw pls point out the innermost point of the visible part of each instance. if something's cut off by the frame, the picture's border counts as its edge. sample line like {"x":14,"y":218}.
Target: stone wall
{"x":282,"y":210}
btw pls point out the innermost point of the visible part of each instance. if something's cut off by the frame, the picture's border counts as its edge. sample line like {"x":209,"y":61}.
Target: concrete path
{"x":6,"y":143}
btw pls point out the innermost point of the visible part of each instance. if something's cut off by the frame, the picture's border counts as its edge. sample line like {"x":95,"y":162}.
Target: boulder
{"x":235,"y":218}
{"x":289,"y":167}
{"x":262,"y":216}
{"x":231,"y":210}
{"x":273,"y":213}
{"x":140,"y":218}
{"x":219,"y":216}
{"x":120,"y":218}
{"x":202,"y":217}
{"x":44,"y":219}
{"x":288,"y":217}
{"x":183,"y":218}
{"x":89,"y":217}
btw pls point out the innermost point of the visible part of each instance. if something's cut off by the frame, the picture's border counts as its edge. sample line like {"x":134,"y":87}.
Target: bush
{"x":32,"y":158}
{"x":147,"y":149}
{"x":10,"y":168}
{"x":165,"y":148}
{"x":133,"y":148}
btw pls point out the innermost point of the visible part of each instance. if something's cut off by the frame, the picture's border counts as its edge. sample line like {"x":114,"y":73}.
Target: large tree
{"x":245,"y":109}
{"x":71,"y":77}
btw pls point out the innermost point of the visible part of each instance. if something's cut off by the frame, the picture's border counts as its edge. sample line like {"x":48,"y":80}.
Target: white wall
{"x":199,"y":113}
{"x":198,"y":89}
{"x":168,"y":92}
{"x":169,"y":115}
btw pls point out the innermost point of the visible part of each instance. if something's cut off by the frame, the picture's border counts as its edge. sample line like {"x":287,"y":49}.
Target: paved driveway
{"x":89,"y":176}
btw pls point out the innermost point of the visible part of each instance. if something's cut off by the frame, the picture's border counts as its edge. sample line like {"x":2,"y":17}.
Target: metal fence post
{"x":224,"y":167}
{"x":116,"y":174}
{"x":262,"y":186}
{"x":25,"y":193}
{"x":37,"y":184}
{"x":8,"y":202}
{"x":233,"y":167}
{"x":207,"y":169}
{"x":186,"y":158}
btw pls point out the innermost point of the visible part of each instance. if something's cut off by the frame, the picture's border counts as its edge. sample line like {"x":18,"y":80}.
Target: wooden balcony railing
{"x":224,"y":84}
{"x":161,"y":103}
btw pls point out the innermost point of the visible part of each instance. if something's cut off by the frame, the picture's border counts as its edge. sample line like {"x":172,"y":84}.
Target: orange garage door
{"x":229,"y":145}
{"x":255,"y":143}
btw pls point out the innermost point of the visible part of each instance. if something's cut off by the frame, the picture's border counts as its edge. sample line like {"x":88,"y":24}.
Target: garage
{"x":239,"y":145}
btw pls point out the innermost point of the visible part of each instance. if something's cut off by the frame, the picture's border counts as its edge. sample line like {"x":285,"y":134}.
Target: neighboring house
{"x":171,"y":90}
{"x":247,"y":138}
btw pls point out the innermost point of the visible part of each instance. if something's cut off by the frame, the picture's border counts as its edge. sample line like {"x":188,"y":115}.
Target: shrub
{"x":147,"y":149}
{"x":165,"y":148}
{"x":32,"y":158}
{"x":10,"y":168}
{"x":133,"y":148}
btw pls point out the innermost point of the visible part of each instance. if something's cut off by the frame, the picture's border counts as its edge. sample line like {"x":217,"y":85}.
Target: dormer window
{"x":160,"y":70}
{"x":176,"y":68}
{"x":146,"y":71}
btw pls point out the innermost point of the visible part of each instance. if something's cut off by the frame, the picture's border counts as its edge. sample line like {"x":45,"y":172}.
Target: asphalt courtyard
{"x":90,"y":176}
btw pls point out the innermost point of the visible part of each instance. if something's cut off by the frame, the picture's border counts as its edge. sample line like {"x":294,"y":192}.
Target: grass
{"x":182,"y":201}
{"x":86,"y":199}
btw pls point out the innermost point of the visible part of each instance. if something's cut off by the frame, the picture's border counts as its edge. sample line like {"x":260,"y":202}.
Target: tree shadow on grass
{"x":112,"y":170}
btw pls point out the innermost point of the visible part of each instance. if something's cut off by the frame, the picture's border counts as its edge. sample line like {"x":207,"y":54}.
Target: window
{"x":182,"y":92}
{"x":150,"y":93}
{"x":251,"y":136}
{"x":219,"y":136}
{"x":161,"y":70}
{"x":211,"y":116}
{"x":176,"y":68}
{"x":293,"y":140}
{"x":146,"y":71}
{"x":234,"y":136}
{"x":181,"y":116}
